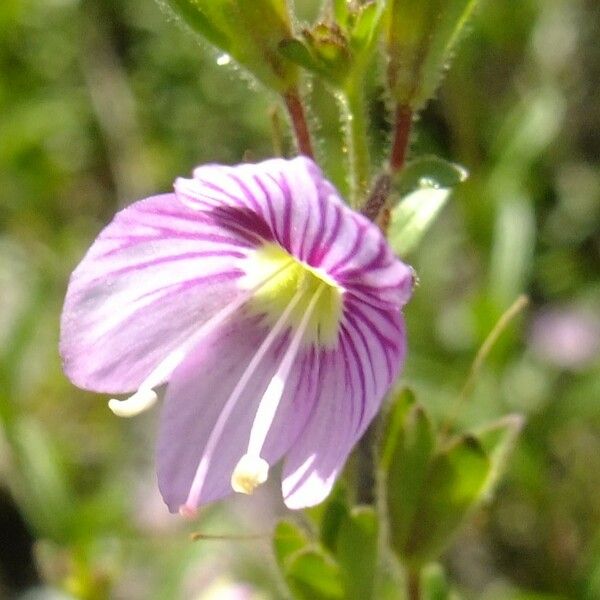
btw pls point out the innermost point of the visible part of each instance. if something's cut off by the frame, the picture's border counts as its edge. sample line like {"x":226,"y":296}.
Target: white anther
{"x":250,"y":472}
{"x":142,"y":400}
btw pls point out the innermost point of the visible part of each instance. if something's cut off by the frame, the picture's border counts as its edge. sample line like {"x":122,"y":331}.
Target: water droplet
{"x":428,"y":182}
{"x":223,"y":59}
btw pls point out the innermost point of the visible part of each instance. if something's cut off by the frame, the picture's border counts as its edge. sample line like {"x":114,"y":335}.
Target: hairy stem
{"x":297,"y":114}
{"x":377,"y":200}
{"x":402,"y":128}
{"x":356,"y":125}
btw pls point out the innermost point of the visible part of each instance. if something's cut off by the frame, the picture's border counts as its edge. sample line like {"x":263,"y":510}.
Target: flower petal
{"x":151,"y":278}
{"x":196,"y":395}
{"x":353,"y":382}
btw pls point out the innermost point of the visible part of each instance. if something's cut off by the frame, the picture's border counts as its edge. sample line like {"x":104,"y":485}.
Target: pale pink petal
{"x":196,"y":395}
{"x":151,"y":278}
{"x":353,"y":382}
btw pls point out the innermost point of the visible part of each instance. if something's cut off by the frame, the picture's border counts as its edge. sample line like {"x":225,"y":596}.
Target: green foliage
{"x":420,"y":37}
{"x":103,"y":103}
{"x":428,"y":487}
{"x":338,"y":51}
{"x":249,"y":32}
{"x":331,"y":567}
{"x":425,"y":185}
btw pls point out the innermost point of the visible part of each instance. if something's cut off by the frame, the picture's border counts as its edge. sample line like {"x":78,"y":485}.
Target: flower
{"x":271,"y":310}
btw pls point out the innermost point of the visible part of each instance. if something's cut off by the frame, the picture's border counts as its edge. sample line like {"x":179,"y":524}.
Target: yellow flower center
{"x":285,"y":276}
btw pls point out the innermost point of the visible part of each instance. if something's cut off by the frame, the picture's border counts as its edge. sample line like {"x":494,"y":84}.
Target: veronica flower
{"x":269,"y":308}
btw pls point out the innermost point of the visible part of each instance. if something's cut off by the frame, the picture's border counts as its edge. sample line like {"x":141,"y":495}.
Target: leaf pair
{"x":342,"y":564}
{"x":429,"y":488}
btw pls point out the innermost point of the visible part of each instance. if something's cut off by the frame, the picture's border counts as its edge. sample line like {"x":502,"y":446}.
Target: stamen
{"x":274,"y":392}
{"x":249,"y":473}
{"x":217,"y":431}
{"x":145,"y":397}
{"x":142,"y":400}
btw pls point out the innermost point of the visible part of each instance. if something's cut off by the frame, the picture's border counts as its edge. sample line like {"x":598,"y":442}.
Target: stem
{"x":276,"y":137}
{"x":413,"y":584}
{"x":511,"y":312}
{"x":402,"y":128}
{"x":295,"y":109}
{"x":355,"y":120}
{"x":378,"y":197}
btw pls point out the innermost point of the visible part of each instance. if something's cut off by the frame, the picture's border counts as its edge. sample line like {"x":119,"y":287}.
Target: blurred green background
{"x":105,"y":101}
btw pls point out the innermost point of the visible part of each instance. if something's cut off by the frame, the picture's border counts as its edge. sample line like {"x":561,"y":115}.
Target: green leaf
{"x":191,"y":14}
{"x":430,"y":171}
{"x":312,"y":574}
{"x":413,"y":444}
{"x":297,"y":52}
{"x":454,"y":484}
{"x":435,"y":584}
{"x":357,"y":552}
{"x":452,"y":17}
{"x":250,"y":32}
{"x":421,"y":36}
{"x":498,"y":440}
{"x":413,"y":216}
{"x":425,"y":185}
{"x":402,"y":401}
{"x":366,"y":25}
{"x":288,"y":539}
{"x":334,"y":513}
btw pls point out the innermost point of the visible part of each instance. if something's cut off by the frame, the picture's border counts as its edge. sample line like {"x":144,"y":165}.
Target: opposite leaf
{"x":288,"y":539}
{"x":312,"y":574}
{"x":454,"y":484}
{"x":413,"y":216}
{"x":357,"y":552}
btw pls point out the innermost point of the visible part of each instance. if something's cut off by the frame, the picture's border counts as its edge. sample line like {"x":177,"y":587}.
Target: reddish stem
{"x":414,"y":585}
{"x":402,"y":127}
{"x":293,"y":103}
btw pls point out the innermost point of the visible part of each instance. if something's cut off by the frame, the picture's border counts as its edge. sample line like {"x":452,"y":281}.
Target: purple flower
{"x":272,"y":311}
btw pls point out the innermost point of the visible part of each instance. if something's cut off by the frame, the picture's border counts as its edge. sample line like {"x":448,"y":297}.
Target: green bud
{"x":340,"y":49}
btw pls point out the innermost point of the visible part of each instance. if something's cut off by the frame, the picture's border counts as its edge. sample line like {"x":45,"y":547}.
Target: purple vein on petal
{"x":161,"y":373}
{"x":191,"y":503}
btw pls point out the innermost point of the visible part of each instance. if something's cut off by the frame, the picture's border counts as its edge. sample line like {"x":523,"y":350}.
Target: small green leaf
{"x":449,"y":26}
{"x":312,"y":574}
{"x":200,"y":23}
{"x":406,"y":474}
{"x":435,"y":584}
{"x":454,"y":484}
{"x":341,"y":12}
{"x":357,"y":552}
{"x":498,"y":440}
{"x":413,"y":216}
{"x":288,"y":539}
{"x":250,"y":32}
{"x":430,"y":171}
{"x":421,"y":36}
{"x":366,"y":24}
{"x":297,"y":52}
{"x":334,"y":513}
{"x":402,"y":401}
